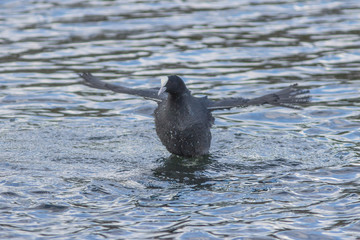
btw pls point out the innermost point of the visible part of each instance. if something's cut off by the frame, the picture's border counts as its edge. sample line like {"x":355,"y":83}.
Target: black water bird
{"x":183,"y":121}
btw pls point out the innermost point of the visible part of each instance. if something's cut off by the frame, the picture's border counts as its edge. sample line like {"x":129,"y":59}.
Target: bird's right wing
{"x":290,"y":97}
{"x":91,"y":81}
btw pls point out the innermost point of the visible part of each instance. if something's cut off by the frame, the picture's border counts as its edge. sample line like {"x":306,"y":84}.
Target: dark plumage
{"x":183,"y":121}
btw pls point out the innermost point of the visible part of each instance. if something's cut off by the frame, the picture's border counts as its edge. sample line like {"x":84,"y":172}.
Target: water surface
{"x":84,"y":163}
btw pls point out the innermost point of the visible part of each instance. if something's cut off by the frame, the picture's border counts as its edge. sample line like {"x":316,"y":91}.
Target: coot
{"x":183,"y":121}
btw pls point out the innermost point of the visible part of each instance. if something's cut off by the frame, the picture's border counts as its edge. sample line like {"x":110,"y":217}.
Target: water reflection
{"x":191,"y":171}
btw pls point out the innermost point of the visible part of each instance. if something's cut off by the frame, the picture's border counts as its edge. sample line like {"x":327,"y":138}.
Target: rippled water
{"x":83,"y":163}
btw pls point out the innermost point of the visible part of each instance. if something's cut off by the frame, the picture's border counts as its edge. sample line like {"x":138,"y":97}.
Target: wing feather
{"x":94,"y":82}
{"x":291,"y":97}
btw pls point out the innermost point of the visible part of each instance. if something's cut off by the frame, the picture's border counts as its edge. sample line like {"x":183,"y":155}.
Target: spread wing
{"x":290,"y":97}
{"x":91,"y":81}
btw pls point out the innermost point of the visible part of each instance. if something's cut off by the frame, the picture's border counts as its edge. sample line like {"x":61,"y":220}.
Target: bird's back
{"x":183,"y":125}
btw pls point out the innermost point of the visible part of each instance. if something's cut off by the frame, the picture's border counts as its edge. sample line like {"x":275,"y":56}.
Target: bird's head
{"x":173,"y":85}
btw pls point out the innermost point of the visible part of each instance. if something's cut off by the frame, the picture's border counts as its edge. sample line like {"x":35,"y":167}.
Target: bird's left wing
{"x":291,"y":97}
{"x":91,"y":81}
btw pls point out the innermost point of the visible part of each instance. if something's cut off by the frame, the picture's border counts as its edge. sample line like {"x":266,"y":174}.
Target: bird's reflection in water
{"x":184,"y":170}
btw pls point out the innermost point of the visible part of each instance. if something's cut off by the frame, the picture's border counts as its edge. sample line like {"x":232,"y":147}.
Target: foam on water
{"x":124,"y":151}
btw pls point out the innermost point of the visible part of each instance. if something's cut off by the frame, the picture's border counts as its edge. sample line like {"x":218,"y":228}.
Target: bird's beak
{"x":164,"y":81}
{"x":161,"y":90}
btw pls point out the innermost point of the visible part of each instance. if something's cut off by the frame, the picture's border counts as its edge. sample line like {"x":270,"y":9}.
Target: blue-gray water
{"x":81,"y":163}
